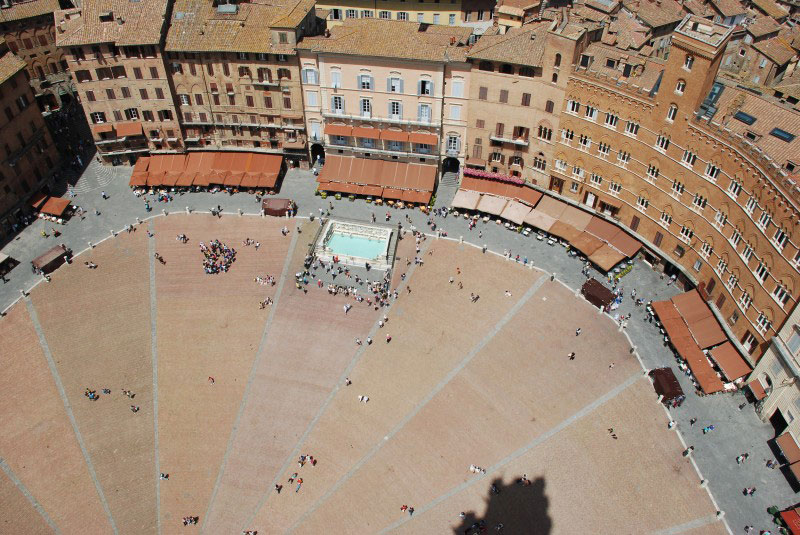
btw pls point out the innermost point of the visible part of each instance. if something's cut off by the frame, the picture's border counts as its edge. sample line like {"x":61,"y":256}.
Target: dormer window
{"x":107,"y":16}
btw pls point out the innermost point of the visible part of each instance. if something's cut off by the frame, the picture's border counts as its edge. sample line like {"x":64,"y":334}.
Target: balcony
{"x":387,"y":120}
{"x":266,"y":82}
{"x":522,"y":142}
{"x":384,"y":151}
{"x":244,"y":125}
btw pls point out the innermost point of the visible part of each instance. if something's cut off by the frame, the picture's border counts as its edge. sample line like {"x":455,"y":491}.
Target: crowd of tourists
{"x":218,"y":257}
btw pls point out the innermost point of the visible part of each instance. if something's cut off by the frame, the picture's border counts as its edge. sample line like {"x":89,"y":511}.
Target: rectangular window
{"x":126,"y":92}
{"x":251,"y":103}
{"x":457,"y":88}
{"x":503,"y":96}
{"x":426,"y":87}
{"x":424,"y":113}
{"x":137,"y":73}
{"x":311,"y":98}
{"x":365,"y":82}
{"x":526,"y":99}
{"x":455,"y":112}
{"x":143,"y":94}
{"x":402,"y":15}
{"x":153,"y":73}
{"x":366,"y":107}
{"x":395,"y":110}
{"x":386,"y":15}
{"x":483,"y":93}
{"x":159,"y":93}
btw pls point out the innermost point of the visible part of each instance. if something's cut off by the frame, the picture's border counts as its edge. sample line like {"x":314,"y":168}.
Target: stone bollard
{"x":23,"y":293}
{"x":113,"y":234}
{"x":553,"y":277}
{"x":240,"y":212}
{"x":164,"y":211}
{"x":46,"y":277}
{"x":264,"y":213}
{"x":461,"y":239}
{"x":720,"y":514}
{"x":704,"y":483}
{"x":187,"y":210}
{"x":91,"y":245}
{"x":661,"y":398}
{"x":632,"y":350}
{"x":138,"y":221}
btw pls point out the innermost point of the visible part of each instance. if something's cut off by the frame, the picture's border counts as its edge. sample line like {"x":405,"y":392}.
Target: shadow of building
{"x":512,"y":508}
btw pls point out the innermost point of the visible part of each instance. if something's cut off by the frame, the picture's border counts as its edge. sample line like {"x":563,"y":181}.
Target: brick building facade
{"x":695,"y":193}
{"x":118,"y":67}
{"x":28,"y":153}
{"x":28,"y":29}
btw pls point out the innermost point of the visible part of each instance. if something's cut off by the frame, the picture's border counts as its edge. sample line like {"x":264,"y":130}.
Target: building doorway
{"x":778,"y":422}
{"x":317,"y":154}
{"x":589,"y":199}
{"x":451,"y":165}
{"x":556,"y":184}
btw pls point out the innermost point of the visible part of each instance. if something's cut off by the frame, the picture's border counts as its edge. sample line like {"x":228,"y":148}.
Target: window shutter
{"x":419,"y":113}
{"x":419,"y":87}
{"x":372,"y":83}
{"x":389,"y":112}
{"x":431,"y":86}
{"x":401,"y":110}
{"x":333,"y":103}
{"x":389,"y":85}
{"x":304,"y":76}
{"x":358,"y":81}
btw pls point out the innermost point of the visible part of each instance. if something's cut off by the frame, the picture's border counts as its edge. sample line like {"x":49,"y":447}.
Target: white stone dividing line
{"x":353,"y":362}
{"x":585,"y":411}
{"x":253,"y":370}
{"x":438,"y":388}
{"x":68,"y":409}
{"x":25,"y":492}
{"x":688,"y":526}
{"x":151,"y":250}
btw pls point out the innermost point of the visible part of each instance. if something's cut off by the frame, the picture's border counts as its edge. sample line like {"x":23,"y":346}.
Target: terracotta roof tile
{"x":10,"y":65}
{"x":26,"y":10}
{"x":768,"y":116}
{"x":729,"y":8}
{"x":393,"y":39}
{"x":770,"y":8}
{"x":132,"y":22}
{"x":197,"y":26}
{"x":669,"y":12}
{"x":776,"y":49}
{"x":522,"y":46}
{"x":762,"y":26}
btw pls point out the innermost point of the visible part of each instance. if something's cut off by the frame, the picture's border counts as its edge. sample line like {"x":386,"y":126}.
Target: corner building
{"x":28,"y":154}
{"x":115,"y":54}
{"x":235,"y":74}
{"x":643,"y":152}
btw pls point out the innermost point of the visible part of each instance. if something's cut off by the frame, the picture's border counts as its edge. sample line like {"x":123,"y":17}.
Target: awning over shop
{"x":199,"y":165}
{"x":539,"y":220}
{"x":55,"y":206}
{"x":515,"y":212}
{"x":276,"y":207}
{"x":576,"y":218}
{"x":466,"y":200}
{"x":185,"y":180}
{"x":372,"y":191}
{"x":102,"y":128}
{"x":602,"y":229}
{"x":596,"y":293}
{"x":392,"y":193}
{"x":686,"y":346}
{"x":416,"y":197}
{"x":790,"y":517}
{"x":730,"y":361}
{"x":564,"y":231}
{"x":38,"y":199}
{"x":490,"y":204}
{"x":338,"y":130}
{"x":394,"y":135}
{"x":50,"y":259}
{"x":368,"y":133}
{"x":789,"y":447}
{"x":529,"y":196}
{"x":129,"y":129}
{"x":423,"y":138}
{"x":606,"y":257}
{"x":552,"y":207}
{"x":627,"y":245}
{"x":666,"y":384}
{"x":586,"y":243}
{"x":701,"y":321}
{"x":139,"y":175}
{"x":757,"y":389}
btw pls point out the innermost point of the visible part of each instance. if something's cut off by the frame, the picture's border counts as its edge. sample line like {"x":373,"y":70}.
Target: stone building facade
{"x":385,"y":77}
{"x":517,"y":85}
{"x":118,"y":67}
{"x":237,"y":81}
{"x":695,"y":193}
{"x":29,"y":155}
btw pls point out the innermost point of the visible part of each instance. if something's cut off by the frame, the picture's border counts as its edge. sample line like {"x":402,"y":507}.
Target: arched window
{"x":539,"y":162}
{"x":40,"y":72}
{"x":486,"y":66}
{"x":505,"y":68}
{"x":672,"y":112}
{"x":284,"y":74}
{"x":555,"y":77}
{"x":688,"y":62}
{"x":680,"y":87}
{"x":548,"y":107}
{"x":557,"y":62}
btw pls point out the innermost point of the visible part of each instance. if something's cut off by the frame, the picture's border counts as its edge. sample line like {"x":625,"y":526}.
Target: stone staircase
{"x":448,"y":185}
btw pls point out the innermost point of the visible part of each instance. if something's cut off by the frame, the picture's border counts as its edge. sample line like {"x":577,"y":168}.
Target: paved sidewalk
{"x":736,"y":431}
